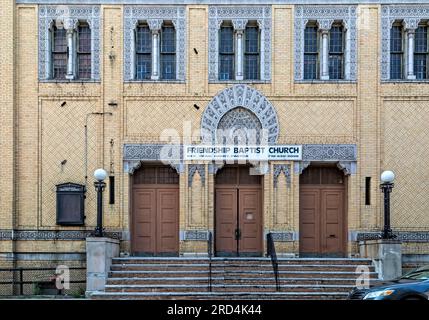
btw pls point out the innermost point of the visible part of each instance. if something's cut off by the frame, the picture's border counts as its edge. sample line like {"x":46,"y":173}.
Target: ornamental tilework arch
{"x":239,"y":96}
{"x":134,"y":14}
{"x":410,"y":15}
{"x":325,"y":15}
{"x":238,"y":14}
{"x":68,"y":14}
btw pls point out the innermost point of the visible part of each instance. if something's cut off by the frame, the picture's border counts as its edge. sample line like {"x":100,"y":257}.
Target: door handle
{"x":332,"y":236}
{"x":237,"y":234}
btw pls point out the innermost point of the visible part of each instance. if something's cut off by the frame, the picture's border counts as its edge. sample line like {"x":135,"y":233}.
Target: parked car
{"x":412,"y":286}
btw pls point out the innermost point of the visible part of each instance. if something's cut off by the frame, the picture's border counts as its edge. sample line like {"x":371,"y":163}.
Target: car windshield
{"x":417,"y":275}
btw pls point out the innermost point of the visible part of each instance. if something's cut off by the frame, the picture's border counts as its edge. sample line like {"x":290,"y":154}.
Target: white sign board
{"x":251,"y":153}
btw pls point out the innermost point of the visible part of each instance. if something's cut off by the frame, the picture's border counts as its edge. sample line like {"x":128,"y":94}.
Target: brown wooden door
{"x":155,"y":212}
{"x":226,"y":221}
{"x":238,"y":218}
{"x":322,"y":220}
{"x":309,"y":226}
{"x":144,"y":224}
{"x":249,"y":221}
{"x":167,"y":221}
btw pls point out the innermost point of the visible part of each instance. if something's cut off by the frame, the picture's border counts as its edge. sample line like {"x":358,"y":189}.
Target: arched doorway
{"x":238,"y":212}
{"x":323,"y":212}
{"x":155,"y":211}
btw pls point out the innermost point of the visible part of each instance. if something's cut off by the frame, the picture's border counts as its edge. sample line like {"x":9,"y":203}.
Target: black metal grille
{"x":84,"y":52}
{"x":226,"y":53}
{"x":311,"y":54}
{"x":336,"y":53}
{"x":396,"y":52}
{"x":59,"y":53}
{"x":40,"y":281}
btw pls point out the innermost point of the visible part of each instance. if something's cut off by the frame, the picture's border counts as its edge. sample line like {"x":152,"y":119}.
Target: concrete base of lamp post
{"x":99,"y":254}
{"x":386,"y":255}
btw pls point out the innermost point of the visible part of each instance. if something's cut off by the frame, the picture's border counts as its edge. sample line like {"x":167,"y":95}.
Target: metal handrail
{"x":210,"y":254}
{"x":271,"y":251}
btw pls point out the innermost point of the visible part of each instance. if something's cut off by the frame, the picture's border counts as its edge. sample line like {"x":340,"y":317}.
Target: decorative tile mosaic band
{"x":194,"y":235}
{"x":409,"y":236}
{"x":53,"y":235}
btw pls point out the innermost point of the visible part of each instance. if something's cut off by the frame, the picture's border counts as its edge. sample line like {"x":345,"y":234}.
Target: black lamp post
{"x":386,"y":186}
{"x":99,"y":175}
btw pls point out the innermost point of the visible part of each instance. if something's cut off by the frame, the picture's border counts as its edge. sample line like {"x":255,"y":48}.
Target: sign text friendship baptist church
{"x":250,"y":153}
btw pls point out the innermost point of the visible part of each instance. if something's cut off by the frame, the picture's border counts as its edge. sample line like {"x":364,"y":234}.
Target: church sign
{"x":250,"y":153}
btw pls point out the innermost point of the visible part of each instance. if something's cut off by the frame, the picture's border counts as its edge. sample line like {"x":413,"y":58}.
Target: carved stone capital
{"x":215,"y":167}
{"x":155,"y":24}
{"x":411,"y":24}
{"x":348,"y":167}
{"x":301,"y":166}
{"x":325,"y":24}
{"x":239,"y":24}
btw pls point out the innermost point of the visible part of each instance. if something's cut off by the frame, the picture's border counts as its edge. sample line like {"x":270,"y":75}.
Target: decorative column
{"x":410,"y":30}
{"x":239,"y":26}
{"x":324,"y":26}
{"x":155,"y":27}
{"x":70,"y":25}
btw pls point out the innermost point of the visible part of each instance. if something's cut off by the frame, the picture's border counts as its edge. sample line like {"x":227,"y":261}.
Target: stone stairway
{"x":232,"y":278}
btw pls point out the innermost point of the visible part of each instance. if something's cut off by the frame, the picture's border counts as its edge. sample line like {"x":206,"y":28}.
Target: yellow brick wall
{"x":377,"y":117}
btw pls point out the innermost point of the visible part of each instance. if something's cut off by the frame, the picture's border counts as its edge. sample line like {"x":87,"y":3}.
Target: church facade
{"x":123,"y":85}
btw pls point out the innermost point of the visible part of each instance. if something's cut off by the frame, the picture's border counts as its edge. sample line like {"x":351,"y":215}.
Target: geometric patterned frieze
{"x":134,"y":14}
{"x":410,"y":15}
{"x":54,"y":235}
{"x":135,"y":154}
{"x":325,"y":15}
{"x":404,"y":236}
{"x":278,"y":169}
{"x":152,"y":152}
{"x":239,"y":96}
{"x":329,"y":152}
{"x":218,"y":14}
{"x":70,"y":14}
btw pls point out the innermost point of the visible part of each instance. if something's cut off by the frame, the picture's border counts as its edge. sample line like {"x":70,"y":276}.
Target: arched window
{"x":226,"y":52}
{"x":396,"y":51}
{"x":252,"y":52}
{"x":421,"y":53}
{"x":168,"y":51}
{"x":311,"y":52}
{"x":336,"y":52}
{"x":84,"y":51}
{"x":143,"y":52}
{"x":59,"y":53}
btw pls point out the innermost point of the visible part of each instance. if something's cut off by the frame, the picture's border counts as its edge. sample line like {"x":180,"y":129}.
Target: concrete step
{"x":232,"y":267}
{"x":242,"y":261}
{"x":227,"y":288}
{"x":158,"y":260}
{"x":227,"y":280}
{"x":219,"y":296}
{"x":236,"y":274}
